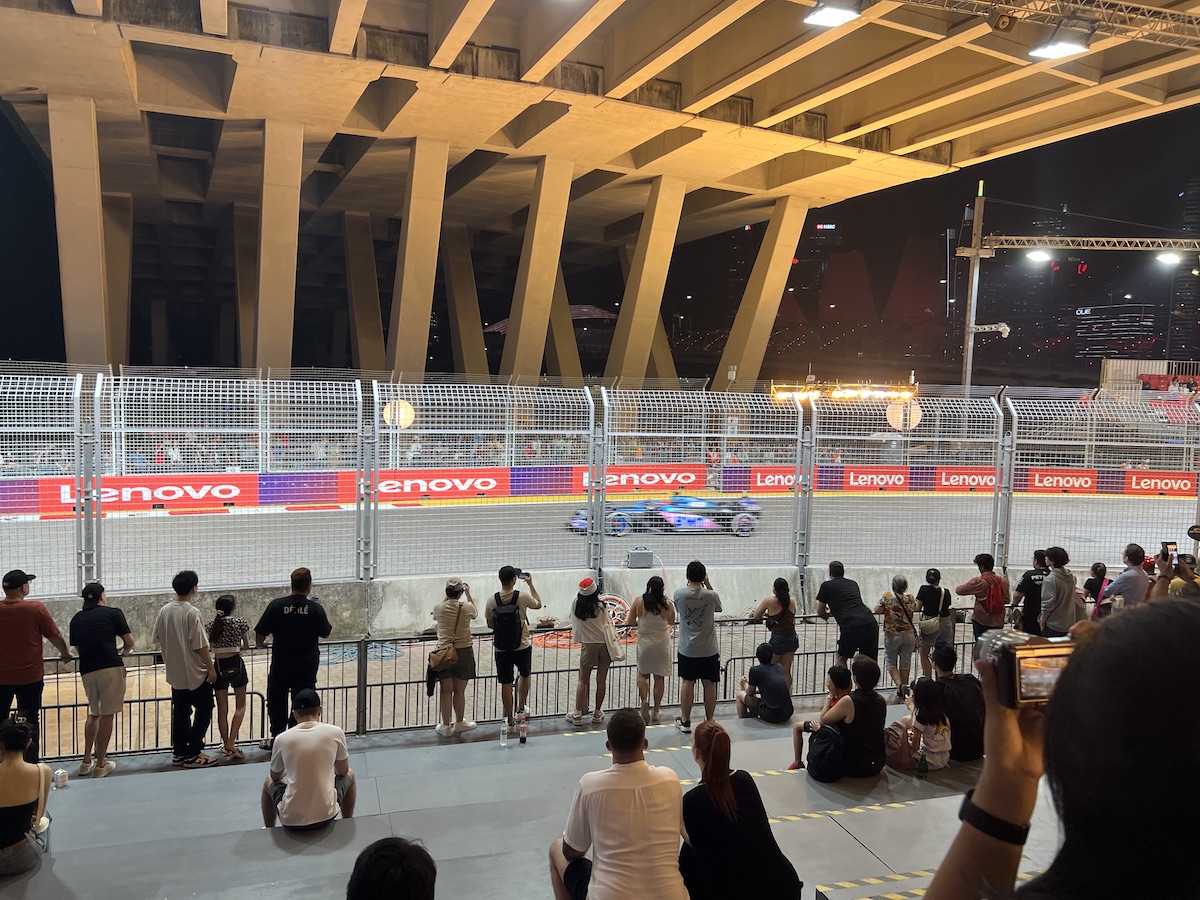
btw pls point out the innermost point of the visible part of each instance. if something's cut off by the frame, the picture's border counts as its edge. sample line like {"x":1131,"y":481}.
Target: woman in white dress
{"x":653,"y":614}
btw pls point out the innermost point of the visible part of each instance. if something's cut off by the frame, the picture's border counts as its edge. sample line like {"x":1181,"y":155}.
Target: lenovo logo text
{"x":164,"y":492}
{"x":436,"y":485}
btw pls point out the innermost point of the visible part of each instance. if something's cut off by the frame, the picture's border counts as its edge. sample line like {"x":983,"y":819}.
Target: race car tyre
{"x":743,"y":525}
{"x":617,"y":524}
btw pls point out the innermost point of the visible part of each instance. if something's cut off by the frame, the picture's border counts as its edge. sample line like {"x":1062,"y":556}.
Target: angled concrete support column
{"x":661,"y":364}
{"x":466,"y":326}
{"x":640,"y":305}
{"x":278,"y":236}
{"x":530,"y":315}
{"x":118,"y":260}
{"x":362,"y":284}
{"x":79,"y":219}
{"x":747,"y":344}
{"x":245,"y":255}
{"x":416,"y":257}
{"x":562,"y":350}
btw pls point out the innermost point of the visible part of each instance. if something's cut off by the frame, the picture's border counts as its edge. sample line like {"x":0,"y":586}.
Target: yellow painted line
{"x":901,"y":876}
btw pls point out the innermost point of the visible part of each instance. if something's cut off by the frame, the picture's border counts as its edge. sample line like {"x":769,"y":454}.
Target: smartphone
{"x":523,"y":575}
{"x":1171,"y":549}
{"x":1027,"y":667}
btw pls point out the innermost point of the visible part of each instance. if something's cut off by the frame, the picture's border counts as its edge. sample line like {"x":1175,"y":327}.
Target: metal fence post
{"x":806,"y":483}
{"x":360,"y":689}
{"x":597,"y":484}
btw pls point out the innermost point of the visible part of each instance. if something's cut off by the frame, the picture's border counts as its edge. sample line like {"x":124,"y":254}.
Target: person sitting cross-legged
{"x":310,"y":775}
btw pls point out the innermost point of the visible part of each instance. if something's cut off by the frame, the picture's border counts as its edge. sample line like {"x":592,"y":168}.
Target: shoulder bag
{"x":929,"y":625}
{"x":612,"y":640}
{"x":445,"y":656}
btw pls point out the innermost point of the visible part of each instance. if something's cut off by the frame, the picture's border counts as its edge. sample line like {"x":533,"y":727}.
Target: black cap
{"x":508,"y":573}
{"x":92,"y":593}
{"x":307,"y":699}
{"x":16,"y":578}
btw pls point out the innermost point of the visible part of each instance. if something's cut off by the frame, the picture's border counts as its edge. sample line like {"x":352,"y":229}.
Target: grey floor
{"x":149,"y":831}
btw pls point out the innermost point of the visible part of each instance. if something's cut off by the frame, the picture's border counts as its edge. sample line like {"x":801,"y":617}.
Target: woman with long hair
{"x":587,"y":628}
{"x":730,"y":850}
{"x":779,"y":610}
{"x":453,"y":616}
{"x":654,"y":615}
{"x":228,"y":635}
{"x":24,"y":790}
{"x":928,"y":723}
{"x":935,"y":603}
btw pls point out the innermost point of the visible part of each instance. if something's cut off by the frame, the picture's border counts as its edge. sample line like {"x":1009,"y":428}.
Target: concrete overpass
{"x":262,"y":158}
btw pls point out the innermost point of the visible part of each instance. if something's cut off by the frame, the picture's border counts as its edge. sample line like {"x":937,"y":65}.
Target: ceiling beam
{"x":450,"y":24}
{"x":345,"y":18}
{"x":551,"y":29}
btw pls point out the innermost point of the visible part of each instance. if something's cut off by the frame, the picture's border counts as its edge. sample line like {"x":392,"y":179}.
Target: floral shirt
{"x":898,"y":612}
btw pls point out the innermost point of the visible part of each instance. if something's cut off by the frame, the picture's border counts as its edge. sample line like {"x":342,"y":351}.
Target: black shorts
{"x":231,"y":673}
{"x":700,"y":668}
{"x":341,"y":784}
{"x":862,"y":639}
{"x":577,"y":877}
{"x":506,"y":660}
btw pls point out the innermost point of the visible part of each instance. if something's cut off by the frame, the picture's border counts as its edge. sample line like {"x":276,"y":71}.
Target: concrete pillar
{"x":562,"y":350}
{"x":661,"y":365}
{"x":278,"y":237}
{"x":466,"y":326}
{"x":245,"y":255}
{"x":362,"y":288}
{"x":538,"y":270}
{"x":416,"y":257}
{"x":640,"y":305}
{"x":747,"y":344}
{"x":118,"y":261}
{"x":79,"y":219}
{"x":160,"y":333}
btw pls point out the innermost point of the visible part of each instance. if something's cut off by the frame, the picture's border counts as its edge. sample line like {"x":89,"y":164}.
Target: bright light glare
{"x":1059,"y":48}
{"x":1171,"y":259}
{"x":1038,"y":256}
{"x":828,"y":16}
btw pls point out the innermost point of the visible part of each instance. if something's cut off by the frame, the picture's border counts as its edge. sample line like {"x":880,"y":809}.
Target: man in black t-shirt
{"x":1028,"y":594}
{"x":764,"y":694}
{"x":296,"y":623}
{"x":94,"y":631}
{"x":964,"y":704}
{"x":858,"y":630}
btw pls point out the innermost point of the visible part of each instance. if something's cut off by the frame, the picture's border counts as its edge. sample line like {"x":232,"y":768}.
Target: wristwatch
{"x":984,"y":821}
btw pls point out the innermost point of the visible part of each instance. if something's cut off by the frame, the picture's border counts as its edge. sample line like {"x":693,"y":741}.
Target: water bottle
{"x":523,"y":728}
{"x":504,"y":734}
{"x":922,"y":766}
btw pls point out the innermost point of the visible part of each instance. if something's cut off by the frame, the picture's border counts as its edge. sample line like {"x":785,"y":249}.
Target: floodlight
{"x":1038,"y":256}
{"x":1171,"y":259}
{"x":1064,"y":41}
{"x":830,"y":15}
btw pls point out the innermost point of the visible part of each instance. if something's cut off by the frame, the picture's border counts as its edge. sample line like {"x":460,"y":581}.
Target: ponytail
{"x":224,"y":605}
{"x":712,"y":743}
{"x":783,"y":592}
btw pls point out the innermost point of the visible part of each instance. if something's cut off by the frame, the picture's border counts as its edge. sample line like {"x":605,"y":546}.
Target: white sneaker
{"x":444,"y":730}
{"x":598,"y":717}
{"x":524,"y":711}
{"x":460,"y":727}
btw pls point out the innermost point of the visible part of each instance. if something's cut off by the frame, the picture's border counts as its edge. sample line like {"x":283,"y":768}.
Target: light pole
{"x":1172,"y":260}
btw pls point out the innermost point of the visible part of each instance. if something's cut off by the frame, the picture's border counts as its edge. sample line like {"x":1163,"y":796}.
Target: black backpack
{"x":826,"y":756}
{"x":506,"y":624}
{"x":965,"y":706}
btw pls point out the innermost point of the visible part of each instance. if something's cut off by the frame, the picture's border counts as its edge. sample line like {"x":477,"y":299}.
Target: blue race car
{"x":677,"y":514}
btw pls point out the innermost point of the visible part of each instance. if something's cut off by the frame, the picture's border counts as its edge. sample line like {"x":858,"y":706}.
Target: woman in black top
{"x":935,"y":603}
{"x":779,"y":610}
{"x":24,"y":789}
{"x":860,"y":717}
{"x":730,"y":850}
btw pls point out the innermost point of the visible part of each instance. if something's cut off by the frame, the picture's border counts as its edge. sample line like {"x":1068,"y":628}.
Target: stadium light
{"x":830,"y":15}
{"x":1170,"y":259}
{"x":1038,"y":255}
{"x":1064,"y":41}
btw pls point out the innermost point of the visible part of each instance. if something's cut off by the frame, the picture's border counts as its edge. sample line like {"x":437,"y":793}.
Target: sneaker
{"x":444,"y":730}
{"x":101,"y":771}
{"x":178,"y":761}
{"x":654,"y":717}
{"x":575,"y":718}
{"x":199,"y":761}
{"x":646,"y":711}
{"x":598,"y":717}
{"x":524,"y":712}
{"x":463,"y":726}
{"x":685,"y":727}
{"x":84,"y":768}
{"x":795,"y":766}
{"x":266,"y":743}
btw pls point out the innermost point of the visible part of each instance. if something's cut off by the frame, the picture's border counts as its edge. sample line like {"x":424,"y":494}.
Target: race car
{"x":677,"y":514}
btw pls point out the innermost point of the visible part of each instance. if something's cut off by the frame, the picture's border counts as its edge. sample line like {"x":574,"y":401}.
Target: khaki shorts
{"x":593,"y":656}
{"x":105,"y":689}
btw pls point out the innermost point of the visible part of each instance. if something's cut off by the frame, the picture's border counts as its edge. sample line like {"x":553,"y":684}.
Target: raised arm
{"x":760,"y":610}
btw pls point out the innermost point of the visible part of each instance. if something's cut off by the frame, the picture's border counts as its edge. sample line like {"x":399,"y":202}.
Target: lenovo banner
{"x":442,"y":484}
{"x":143,"y":493}
{"x":1060,"y":481}
{"x":964,"y":479}
{"x":1170,"y":484}
{"x":771,"y":479}
{"x":651,"y":477}
{"x":875,"y":478}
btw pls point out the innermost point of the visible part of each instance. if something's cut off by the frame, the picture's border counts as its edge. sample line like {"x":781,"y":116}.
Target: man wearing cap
{"x":94,"y":632}
{"x":295,"y":623}
{"x":520,"y":658}
{"x":310,"y":775}
{"x":23,"y":624}
{"x":183,"y":642}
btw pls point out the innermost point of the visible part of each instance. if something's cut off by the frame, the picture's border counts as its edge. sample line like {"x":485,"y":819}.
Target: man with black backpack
{"x":964,"y":704}
{"x":991,"y":595}
{"x":505,"y":615}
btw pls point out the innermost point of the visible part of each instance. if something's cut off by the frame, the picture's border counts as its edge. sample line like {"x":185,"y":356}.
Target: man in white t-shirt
{"x":310,"y":775}
{"x":631,"y":817}
{"x":183,"y":642}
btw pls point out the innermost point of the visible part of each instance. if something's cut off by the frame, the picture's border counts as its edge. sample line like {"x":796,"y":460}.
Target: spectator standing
{"x":23,"y":624}
{"x":779,"y":610}
{"x":963,"y":696}
{"x":1062,"y":607}
{"x":179,"y":632}
{"x":94,"y":632}
{"x":228,"y":637}
{"x":1133,"y":584}
{"x":392,"y":869}
{"x":630,"y":816}
{"x":729,"y":850}
{"x":837,"y":686}
{"x":1096,"y":589}
{"x":928,"y":724}
{"x":310,"y":777}
{"x":24,"y":790}
{"x":983,"y":619}
{"x":699,"y":654}
{"x":1028,"y":594}
{"x":453,"y":616}
{"x":587,"y":629}
{"x":899,"y":632}
{"x":516,"y":633}
{"x":295,"y":623}
{"x":653,"y":616}
{"x":764,"y":694}
{"x":936,"y":603}
{"x":858,"y":632}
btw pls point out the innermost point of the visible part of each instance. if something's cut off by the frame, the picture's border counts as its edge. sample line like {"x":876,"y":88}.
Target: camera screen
{"x":1037,"y":675}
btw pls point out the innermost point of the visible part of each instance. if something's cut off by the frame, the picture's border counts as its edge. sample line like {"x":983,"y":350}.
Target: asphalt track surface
{"x":142,"y":553}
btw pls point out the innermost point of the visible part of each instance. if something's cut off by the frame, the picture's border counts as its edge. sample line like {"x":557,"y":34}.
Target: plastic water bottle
{"x":504,"y":734}
{"x":523,"y":728}
{"x":922,"y":766}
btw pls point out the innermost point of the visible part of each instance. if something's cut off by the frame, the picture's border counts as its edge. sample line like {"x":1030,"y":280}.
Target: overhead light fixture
{"x":1171,"y":259}
{"x":1066,"y":40}
{"x":1038,"y":256}
{"x":830,"y":15}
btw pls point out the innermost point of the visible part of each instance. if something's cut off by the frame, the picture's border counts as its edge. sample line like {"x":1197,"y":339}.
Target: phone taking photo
{"x":1171,"y":550}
